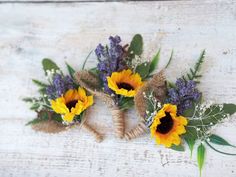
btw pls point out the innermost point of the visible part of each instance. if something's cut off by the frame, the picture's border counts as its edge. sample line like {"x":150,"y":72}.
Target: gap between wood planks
{"x":74,"y":1}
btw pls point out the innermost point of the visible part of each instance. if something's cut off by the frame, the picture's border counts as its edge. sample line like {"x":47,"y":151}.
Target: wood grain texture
{"x":68,"y":32}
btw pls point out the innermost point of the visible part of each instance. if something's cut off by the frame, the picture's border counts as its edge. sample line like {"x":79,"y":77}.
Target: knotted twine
{"x":92,"y":83}
{"x":158,"y":86}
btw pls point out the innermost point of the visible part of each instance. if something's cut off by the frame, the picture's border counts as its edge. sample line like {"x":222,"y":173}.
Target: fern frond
{"x":193,"y":73}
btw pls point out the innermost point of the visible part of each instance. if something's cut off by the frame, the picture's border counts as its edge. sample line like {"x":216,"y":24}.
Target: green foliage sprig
{"x":41,"y":105}
{"x":193,"y":73}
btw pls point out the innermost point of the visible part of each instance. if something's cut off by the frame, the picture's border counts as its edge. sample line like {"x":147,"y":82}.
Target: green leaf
{"x":35,"y":106}
{"x":143,"y":69}
{"x":34,"y":121}
{"x":49,"y":65}
{"x":200,"y":157}
{"x":28,"y":99}
{"x":126,"y":103}
{"x":70,"y":70}
{"x":42,"y":116}
{"x":170,"y":59}
{"x":229,"y":108}
{"x":177,"y":148}
{"x":189,"y":112}
{"x":190,"y":142}
{"x":42,"y":91}
{"x":136,"y":45}
{"x":213,"y":114}
{"x":39,"y":83}
{"x":221,"y":152}
{"x":154,"y":61}
{"x":57,"y":117}
{"x":218,"y":140}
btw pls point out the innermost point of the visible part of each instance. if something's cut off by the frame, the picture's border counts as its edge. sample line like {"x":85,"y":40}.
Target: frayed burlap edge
{"x":51,"y":126}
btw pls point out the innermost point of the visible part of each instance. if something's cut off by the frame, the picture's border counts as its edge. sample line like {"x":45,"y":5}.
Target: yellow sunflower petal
{"x":59,"y":106}
{"x":160,"y":114}
{"x":170,"y":108}
{"x":183,"y":120}
{"x":125,"y":77}
{"x":89,"y":102}
{"x":79,"y":107}
{"x":180,"y":130}
{"x":158,"y":140}
{"x":68,"y":117}
{"x":69,"y":95}
{"x":178,"y":127}
{"x":111,"y":84}
{"x":176,"y":140}
{"x":82,"y":93}
{"x":127,"y":72}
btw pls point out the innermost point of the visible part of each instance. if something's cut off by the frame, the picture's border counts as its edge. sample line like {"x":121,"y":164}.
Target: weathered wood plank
{"x":67,"y":32}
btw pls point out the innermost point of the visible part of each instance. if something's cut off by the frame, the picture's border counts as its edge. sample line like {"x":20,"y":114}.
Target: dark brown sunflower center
{"x":71,"y":104}
{"x":166,"y":124}
{"x":125,"y":86}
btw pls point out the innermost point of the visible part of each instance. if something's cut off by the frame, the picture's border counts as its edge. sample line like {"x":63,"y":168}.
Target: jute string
{"x":139,"y":130}
{"x":91,"y":83}
{"x":98,"y":137}
{"x":158,"y":86}
{"x":118,"y":121}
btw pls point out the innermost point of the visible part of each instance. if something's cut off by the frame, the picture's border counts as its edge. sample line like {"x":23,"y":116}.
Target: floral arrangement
{"x":175,"y":113}
{"x":62,"y":102}
{"x":118,"y":76}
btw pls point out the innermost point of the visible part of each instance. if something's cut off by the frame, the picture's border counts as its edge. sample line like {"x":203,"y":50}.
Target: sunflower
{"x":167,"y":126}
{"x":125,"y":83}
{"x":72,"y":103}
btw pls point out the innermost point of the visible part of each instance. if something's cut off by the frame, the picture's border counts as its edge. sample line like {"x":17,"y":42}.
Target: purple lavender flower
{"x":60,"y":84}
{"x":110,"y":60}
{"x":183,"y":95}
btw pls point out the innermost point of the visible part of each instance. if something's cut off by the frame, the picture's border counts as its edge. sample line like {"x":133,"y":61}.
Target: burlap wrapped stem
{"x":90,"y":81}
{"x":52,"y":126}
{"x":158,"y":85}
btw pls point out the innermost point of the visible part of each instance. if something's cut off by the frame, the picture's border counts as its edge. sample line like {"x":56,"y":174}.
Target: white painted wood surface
{"x":68,"y":32}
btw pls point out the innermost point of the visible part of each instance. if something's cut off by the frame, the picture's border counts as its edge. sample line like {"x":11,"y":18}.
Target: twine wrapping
{"x":158,"y":85}
{"x":118,"y":121}
{"x":90,"y":82}
{"x":139,"y":130}
{"x":98,"y":137}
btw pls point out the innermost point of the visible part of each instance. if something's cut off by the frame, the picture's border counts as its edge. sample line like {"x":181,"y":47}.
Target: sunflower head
{"x":167,"y":126}
{"x":72,"y":103}
{"x":125,"y":83}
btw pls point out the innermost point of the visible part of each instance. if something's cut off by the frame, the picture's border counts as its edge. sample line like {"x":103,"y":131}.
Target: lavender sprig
{"x":183,"y":95}
{"x":60,"y":84}
{"x":110,"y":60}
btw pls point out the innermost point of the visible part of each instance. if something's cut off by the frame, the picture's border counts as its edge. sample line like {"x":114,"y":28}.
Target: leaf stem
{"x":86,"y":59}
{"x":225,"y":153}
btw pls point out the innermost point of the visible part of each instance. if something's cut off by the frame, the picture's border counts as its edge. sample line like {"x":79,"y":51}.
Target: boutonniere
{"x":176,"y":113}
{"x":118,"y":76}
{"x":62,"y":103}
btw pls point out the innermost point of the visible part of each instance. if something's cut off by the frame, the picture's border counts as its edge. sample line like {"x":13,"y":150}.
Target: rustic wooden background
{"x":30,"y":31}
